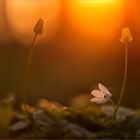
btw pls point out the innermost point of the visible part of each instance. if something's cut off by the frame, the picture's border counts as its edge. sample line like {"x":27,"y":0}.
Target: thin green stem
{"x":124,"y":83}
{"x":27,"y":69}
{"x":114,"y":106}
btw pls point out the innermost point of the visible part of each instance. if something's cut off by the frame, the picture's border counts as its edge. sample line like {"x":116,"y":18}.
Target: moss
{"x":67,"y":123}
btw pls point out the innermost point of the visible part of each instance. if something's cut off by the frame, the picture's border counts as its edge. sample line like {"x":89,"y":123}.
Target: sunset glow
{"x":23,"y":13}
{"x":96,"y":18}
{"x":69,"y":69}
{"x":96,"y":1}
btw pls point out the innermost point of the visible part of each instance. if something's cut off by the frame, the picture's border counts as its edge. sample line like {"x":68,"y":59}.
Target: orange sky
{"x":93,"y":18}
{"x":96,"y":19}
{"x":81,"y":42}
{"x":23,"y":14}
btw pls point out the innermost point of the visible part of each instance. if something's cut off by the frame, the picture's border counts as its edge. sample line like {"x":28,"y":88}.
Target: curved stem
{"x":124,"y":83}
{"x":113,"y":104}
{"x":27,"y":69}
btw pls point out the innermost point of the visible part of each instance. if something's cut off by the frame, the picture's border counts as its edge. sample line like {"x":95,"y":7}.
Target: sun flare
{"x":95,"y":18}
{"x":22,"y":14}
{"x":96,"y":1}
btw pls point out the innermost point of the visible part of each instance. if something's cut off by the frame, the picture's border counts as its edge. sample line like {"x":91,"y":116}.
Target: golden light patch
{"x":23,"y":14}
{"x":95,"y":18}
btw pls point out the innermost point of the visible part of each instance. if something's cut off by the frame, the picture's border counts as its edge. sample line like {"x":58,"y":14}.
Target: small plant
{"x":126,"y":37}
{"x":103,"y":95}
{"x":38,"y":30}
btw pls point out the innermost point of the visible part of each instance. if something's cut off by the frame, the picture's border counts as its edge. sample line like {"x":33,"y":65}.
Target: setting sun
{"x":97,"y":1}
{"x":69,"y":69}
{"x":95,"y":18}
{"x":22,"y":14}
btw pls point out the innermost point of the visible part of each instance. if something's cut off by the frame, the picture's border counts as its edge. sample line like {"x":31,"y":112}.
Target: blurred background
{"x":80,"y":47}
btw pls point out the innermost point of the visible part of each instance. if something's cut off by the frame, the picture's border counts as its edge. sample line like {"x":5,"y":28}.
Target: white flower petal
{"x":97,"y":100}
{"x":97,"y":93}
{"x":104,"y":89}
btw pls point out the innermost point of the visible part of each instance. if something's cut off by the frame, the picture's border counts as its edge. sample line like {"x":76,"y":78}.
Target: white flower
{"x":126,"y":35}
{"x":102,"y":95}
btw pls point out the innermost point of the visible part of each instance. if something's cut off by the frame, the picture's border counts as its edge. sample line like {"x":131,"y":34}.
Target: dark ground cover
{"x":50,"y":120}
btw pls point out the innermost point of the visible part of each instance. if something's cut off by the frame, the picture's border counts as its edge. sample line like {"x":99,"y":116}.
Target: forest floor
{"x":50,"y":120}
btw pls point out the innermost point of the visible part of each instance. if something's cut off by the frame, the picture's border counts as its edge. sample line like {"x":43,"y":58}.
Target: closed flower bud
{"x":38,"y":29}
{"x":126,"y":35}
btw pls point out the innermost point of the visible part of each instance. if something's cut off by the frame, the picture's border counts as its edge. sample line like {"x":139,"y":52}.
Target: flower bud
{"x":126,"y":35}
{"x":38,"y":29}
